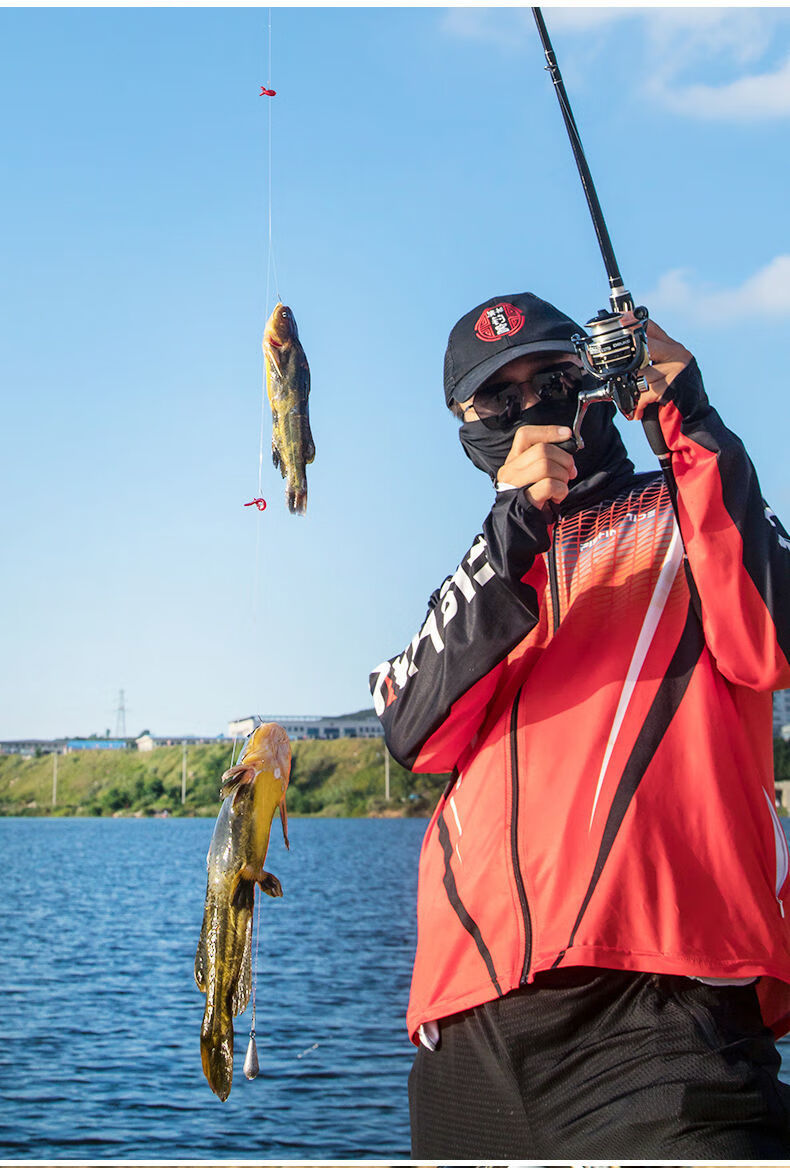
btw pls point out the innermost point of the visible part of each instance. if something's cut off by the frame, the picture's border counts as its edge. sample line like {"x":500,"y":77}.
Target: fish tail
{"x":296,"y":497}
{"x":216,"y":1050}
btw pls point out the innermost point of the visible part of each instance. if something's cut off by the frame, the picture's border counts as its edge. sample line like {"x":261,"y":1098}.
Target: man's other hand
{"x":537,"y":464}
{"x":668,"y":358}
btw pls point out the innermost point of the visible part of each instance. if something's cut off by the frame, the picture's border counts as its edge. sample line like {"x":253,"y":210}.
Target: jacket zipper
{"x":522,"y":895}
{"x":553,"y":586}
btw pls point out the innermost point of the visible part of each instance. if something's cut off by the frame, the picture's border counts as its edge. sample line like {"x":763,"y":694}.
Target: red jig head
{"x":267,"y":92}
{"x":259,"y":503}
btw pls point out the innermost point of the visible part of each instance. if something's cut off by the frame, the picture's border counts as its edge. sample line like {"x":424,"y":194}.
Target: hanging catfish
{"x":288,"y":387}
{"x":252,"y":792}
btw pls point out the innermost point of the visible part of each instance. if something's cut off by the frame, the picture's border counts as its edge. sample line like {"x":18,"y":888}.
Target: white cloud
{"x":511,"y":27}
{"x":709,"y":63}
{"x":764,"y":294}
{"x":478,"y":24}
{"x":681,"y":38}
{"x":760,"y":96}
{"x":583,"y":19}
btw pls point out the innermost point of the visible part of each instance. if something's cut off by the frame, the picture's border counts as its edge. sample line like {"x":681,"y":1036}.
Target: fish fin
{"x":309,"y":446}
{"x":201,"y":957}
{"x":239,"y":795}
{"x":242,"y":897}
{"x":278,"y":462}
{"x":241,"y":994}
{"x":235,"y":779}
{"x":284,"y":822}
{"x":234,"y":774}
{"x":270,"y":884}
{"x":270,"y":356}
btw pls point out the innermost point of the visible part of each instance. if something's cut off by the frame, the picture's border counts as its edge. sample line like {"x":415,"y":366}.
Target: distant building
{"x":95,"y":744}
{"x":148,"y":742}
{"x":29,"y":747}
{"x":363,"y":724}
{"x":244,"y":726}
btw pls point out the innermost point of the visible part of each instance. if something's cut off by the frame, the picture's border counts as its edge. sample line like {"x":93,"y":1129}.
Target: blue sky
{"x":419,"y":166}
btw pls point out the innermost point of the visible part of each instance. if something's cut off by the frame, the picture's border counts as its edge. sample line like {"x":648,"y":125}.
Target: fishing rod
{"x":610,"y":352}
{"x":619,"y":297}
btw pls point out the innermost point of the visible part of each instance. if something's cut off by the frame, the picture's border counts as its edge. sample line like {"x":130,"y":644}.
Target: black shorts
{"x":598,"y":1064}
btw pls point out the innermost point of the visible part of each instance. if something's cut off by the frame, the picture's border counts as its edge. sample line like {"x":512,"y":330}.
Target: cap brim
{"x":475,"y":377}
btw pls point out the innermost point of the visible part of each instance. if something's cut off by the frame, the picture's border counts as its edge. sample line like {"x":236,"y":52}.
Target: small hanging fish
{"x":288,"y":387}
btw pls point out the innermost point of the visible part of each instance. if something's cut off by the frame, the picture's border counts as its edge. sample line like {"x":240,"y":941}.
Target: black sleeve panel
{"x":439,"y":687}
{"x":765,"y":543}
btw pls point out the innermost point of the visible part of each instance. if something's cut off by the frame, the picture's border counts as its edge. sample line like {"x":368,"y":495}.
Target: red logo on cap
{"x":501,"y":320}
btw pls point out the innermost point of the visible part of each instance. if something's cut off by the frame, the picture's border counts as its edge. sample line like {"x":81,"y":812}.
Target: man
{"x":602,"y":942}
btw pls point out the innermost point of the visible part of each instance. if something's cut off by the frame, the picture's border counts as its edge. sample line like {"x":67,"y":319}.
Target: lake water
{"x":100,"y":1046}
{"x":99,"y":1040}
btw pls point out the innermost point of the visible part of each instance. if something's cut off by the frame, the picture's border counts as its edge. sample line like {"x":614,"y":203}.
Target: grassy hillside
{"x":339,"y":778}
{"x":345,"y":777}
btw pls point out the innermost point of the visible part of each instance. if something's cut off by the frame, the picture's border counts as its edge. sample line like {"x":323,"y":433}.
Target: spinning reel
{"x":612,"y":355}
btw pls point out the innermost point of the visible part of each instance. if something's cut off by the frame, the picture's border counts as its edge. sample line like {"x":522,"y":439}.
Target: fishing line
{"x":271,"y":269}
{"x":271,"y":262}
{"x":271,"y":265}
{"x":258,"y":895}
{"x":269,"y":254}
{"x":251,"y":1065}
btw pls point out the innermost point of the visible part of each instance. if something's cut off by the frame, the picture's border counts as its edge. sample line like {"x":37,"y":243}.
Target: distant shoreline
{"x":341,"y":778}
{"x":331,"y":779}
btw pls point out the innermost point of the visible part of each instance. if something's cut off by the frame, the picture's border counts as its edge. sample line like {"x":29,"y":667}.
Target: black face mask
{"x":603,"y":452}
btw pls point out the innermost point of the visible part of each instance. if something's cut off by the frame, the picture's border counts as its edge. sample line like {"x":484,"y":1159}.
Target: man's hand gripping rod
{"x":611,"y":353}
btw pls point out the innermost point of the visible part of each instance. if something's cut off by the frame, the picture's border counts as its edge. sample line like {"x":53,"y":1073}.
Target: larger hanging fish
{"x":288,"y":387}
{"x":252,"y":791}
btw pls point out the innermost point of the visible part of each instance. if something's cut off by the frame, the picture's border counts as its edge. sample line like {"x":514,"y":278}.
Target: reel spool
{"x":612,"y":355}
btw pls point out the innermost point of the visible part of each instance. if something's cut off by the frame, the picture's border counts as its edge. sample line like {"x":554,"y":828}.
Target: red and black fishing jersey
{"x":601,"y":692}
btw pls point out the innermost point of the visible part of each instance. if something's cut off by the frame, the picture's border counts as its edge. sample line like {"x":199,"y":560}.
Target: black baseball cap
{"x":498,"y":331}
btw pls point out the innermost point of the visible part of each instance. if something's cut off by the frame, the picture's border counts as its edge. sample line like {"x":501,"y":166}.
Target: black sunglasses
{"x":499,"y":405}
